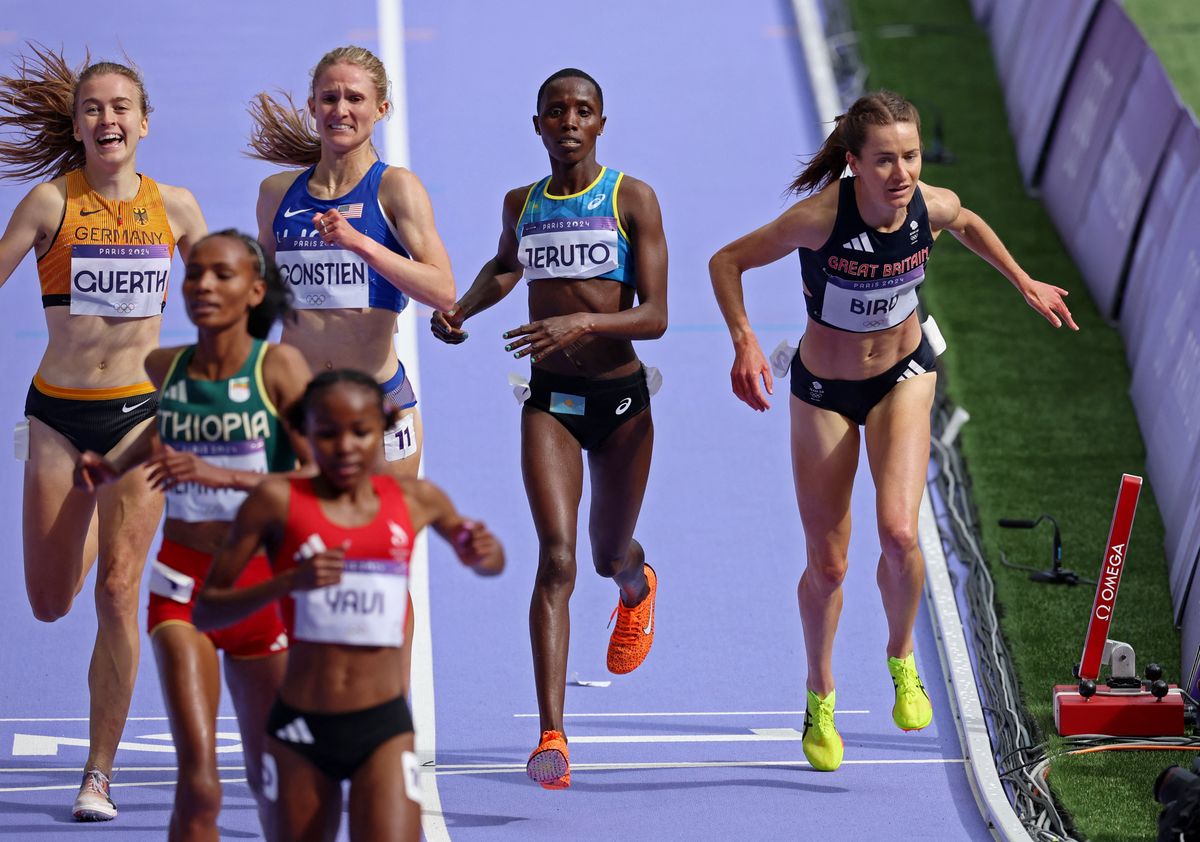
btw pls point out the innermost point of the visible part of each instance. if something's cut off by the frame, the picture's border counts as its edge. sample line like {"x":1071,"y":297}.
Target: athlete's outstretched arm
{"x":498,"y":277}
{"x":34,"y":220}
{"x":642,"y":218}
{"x":803,"y":225}
{"x":947,"y":213}
{"x":259,"y":523}
{"x":473,"y":543}
{"x":426,"y":277}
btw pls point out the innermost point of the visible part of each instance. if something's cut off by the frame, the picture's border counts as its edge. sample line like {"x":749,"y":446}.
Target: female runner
{"x":219,"y":432}
{"x":104,"y":235}
{"x":340,"y":544}
{"x":589,"y":240}
{"x":354,"y":237}
{"x":864,"y":361}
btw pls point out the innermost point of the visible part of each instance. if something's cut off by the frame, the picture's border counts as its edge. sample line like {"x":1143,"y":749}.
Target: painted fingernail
{"x":508,"y":347}
{"x":517,"y":355}
{"x":504,"y":335}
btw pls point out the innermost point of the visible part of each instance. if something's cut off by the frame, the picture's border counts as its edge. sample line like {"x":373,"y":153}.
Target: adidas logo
{"x":177,"y":392}
{"x":914,"y":368}
{"x":859,"y":243}
{"x":296,"y":731}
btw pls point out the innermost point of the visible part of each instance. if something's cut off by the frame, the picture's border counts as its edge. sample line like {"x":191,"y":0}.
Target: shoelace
{"x":822,"y":718}
{"x":627,"y":626}
{"x":96,"y":781}
{"x":907,"y":682}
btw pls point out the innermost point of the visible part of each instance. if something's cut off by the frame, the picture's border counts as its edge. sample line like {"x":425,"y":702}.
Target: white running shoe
{"x":93,"y":803}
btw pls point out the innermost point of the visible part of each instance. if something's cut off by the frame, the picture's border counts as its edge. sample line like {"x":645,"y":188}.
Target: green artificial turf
{"x":1052,"y":428}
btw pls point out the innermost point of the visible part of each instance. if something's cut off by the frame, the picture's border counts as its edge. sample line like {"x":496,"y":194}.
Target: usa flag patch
{"x":351,"y":211}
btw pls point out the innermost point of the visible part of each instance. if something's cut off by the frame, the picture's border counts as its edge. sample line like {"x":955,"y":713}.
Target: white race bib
{"x":367,"y":608}
{"x":569,"y":248}
{"x":322,"y":277}
{"x":125,"y":282}
{"x":192,"y":502}
{"x":863,"y":306}
{"x":400,"y":441}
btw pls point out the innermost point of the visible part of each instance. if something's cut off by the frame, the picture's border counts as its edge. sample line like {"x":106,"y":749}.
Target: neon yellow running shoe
{"x":912,"y":710}
{"x":822,"y":743}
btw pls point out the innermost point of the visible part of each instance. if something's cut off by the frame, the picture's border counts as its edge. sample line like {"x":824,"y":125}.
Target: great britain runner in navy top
{"x":863,"y":280}
{"x":575,"y":236}
{"x":323,"y":276}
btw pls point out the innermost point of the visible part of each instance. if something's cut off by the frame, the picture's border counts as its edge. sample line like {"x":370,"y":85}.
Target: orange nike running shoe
{"x":634,"y":633}
{"x":550,"y":763}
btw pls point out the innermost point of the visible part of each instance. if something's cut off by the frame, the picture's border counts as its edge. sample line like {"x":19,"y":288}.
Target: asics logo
{"x":624,"y":405}
{"x":289,"y":213}
{"x":125,"y":407}
{"x":596,"y":202}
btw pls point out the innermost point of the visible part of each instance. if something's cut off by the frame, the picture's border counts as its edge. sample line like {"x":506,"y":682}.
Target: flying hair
{"x":881,"y":108}
{"x":283,"y":133}
{"x":37,"y":112}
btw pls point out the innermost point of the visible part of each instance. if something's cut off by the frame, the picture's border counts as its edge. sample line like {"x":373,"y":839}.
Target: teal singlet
{"x":576,"y":236}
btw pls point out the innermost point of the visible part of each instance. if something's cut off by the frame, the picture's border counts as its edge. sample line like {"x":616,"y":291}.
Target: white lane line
{"x":507,"y":769}
{"x":112,"y":784}
{"x":818,"y":62}
{"x":756,"y":735}
{"x":395,"y":143}
{"x":639,"y":714}
{"x":117,"y":770}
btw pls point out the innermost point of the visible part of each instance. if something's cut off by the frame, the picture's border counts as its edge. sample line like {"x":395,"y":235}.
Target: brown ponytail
{"x":37,"y":106}
{"x":284,"y":134}
{"x":881,"y":108}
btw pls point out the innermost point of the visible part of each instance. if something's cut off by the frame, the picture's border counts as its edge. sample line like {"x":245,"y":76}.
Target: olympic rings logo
{"x":314,"y":299}
{"x":125,"y":307}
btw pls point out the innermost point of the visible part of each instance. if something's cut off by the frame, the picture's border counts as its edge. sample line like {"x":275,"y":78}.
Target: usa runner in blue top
{"x":589,"y":242}
{"x":354,"y":238}
{"x":864,"y":361}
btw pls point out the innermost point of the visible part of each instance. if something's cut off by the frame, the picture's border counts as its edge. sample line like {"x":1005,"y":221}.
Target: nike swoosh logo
{"x":127,"y":408}
{"x":89,"y":213}
{"x":650,"y":622}
{"x":288,"y":214}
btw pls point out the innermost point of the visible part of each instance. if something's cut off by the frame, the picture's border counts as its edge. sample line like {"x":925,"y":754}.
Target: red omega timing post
{"x":1125,"y":706}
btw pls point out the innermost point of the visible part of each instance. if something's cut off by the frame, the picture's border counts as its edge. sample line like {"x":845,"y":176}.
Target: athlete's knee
{"x":556,"y":565}
{"x":117,"y":591}
{"x":198,"y":797}
{"x":610,"y":562}
{"x":826,"y":572}
{"x":897,"y":538}
{"x":50,"y":605}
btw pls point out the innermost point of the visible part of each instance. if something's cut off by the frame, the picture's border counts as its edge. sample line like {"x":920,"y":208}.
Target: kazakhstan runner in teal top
{"x":577,"y":236}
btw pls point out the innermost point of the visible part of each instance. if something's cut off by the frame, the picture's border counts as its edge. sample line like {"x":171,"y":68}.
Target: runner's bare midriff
{"x":95,"y":352}
{"x":601,"y":357}
{"x":840,"y":355}
{"x":358,"y":339}
{"x":334,"y":678}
